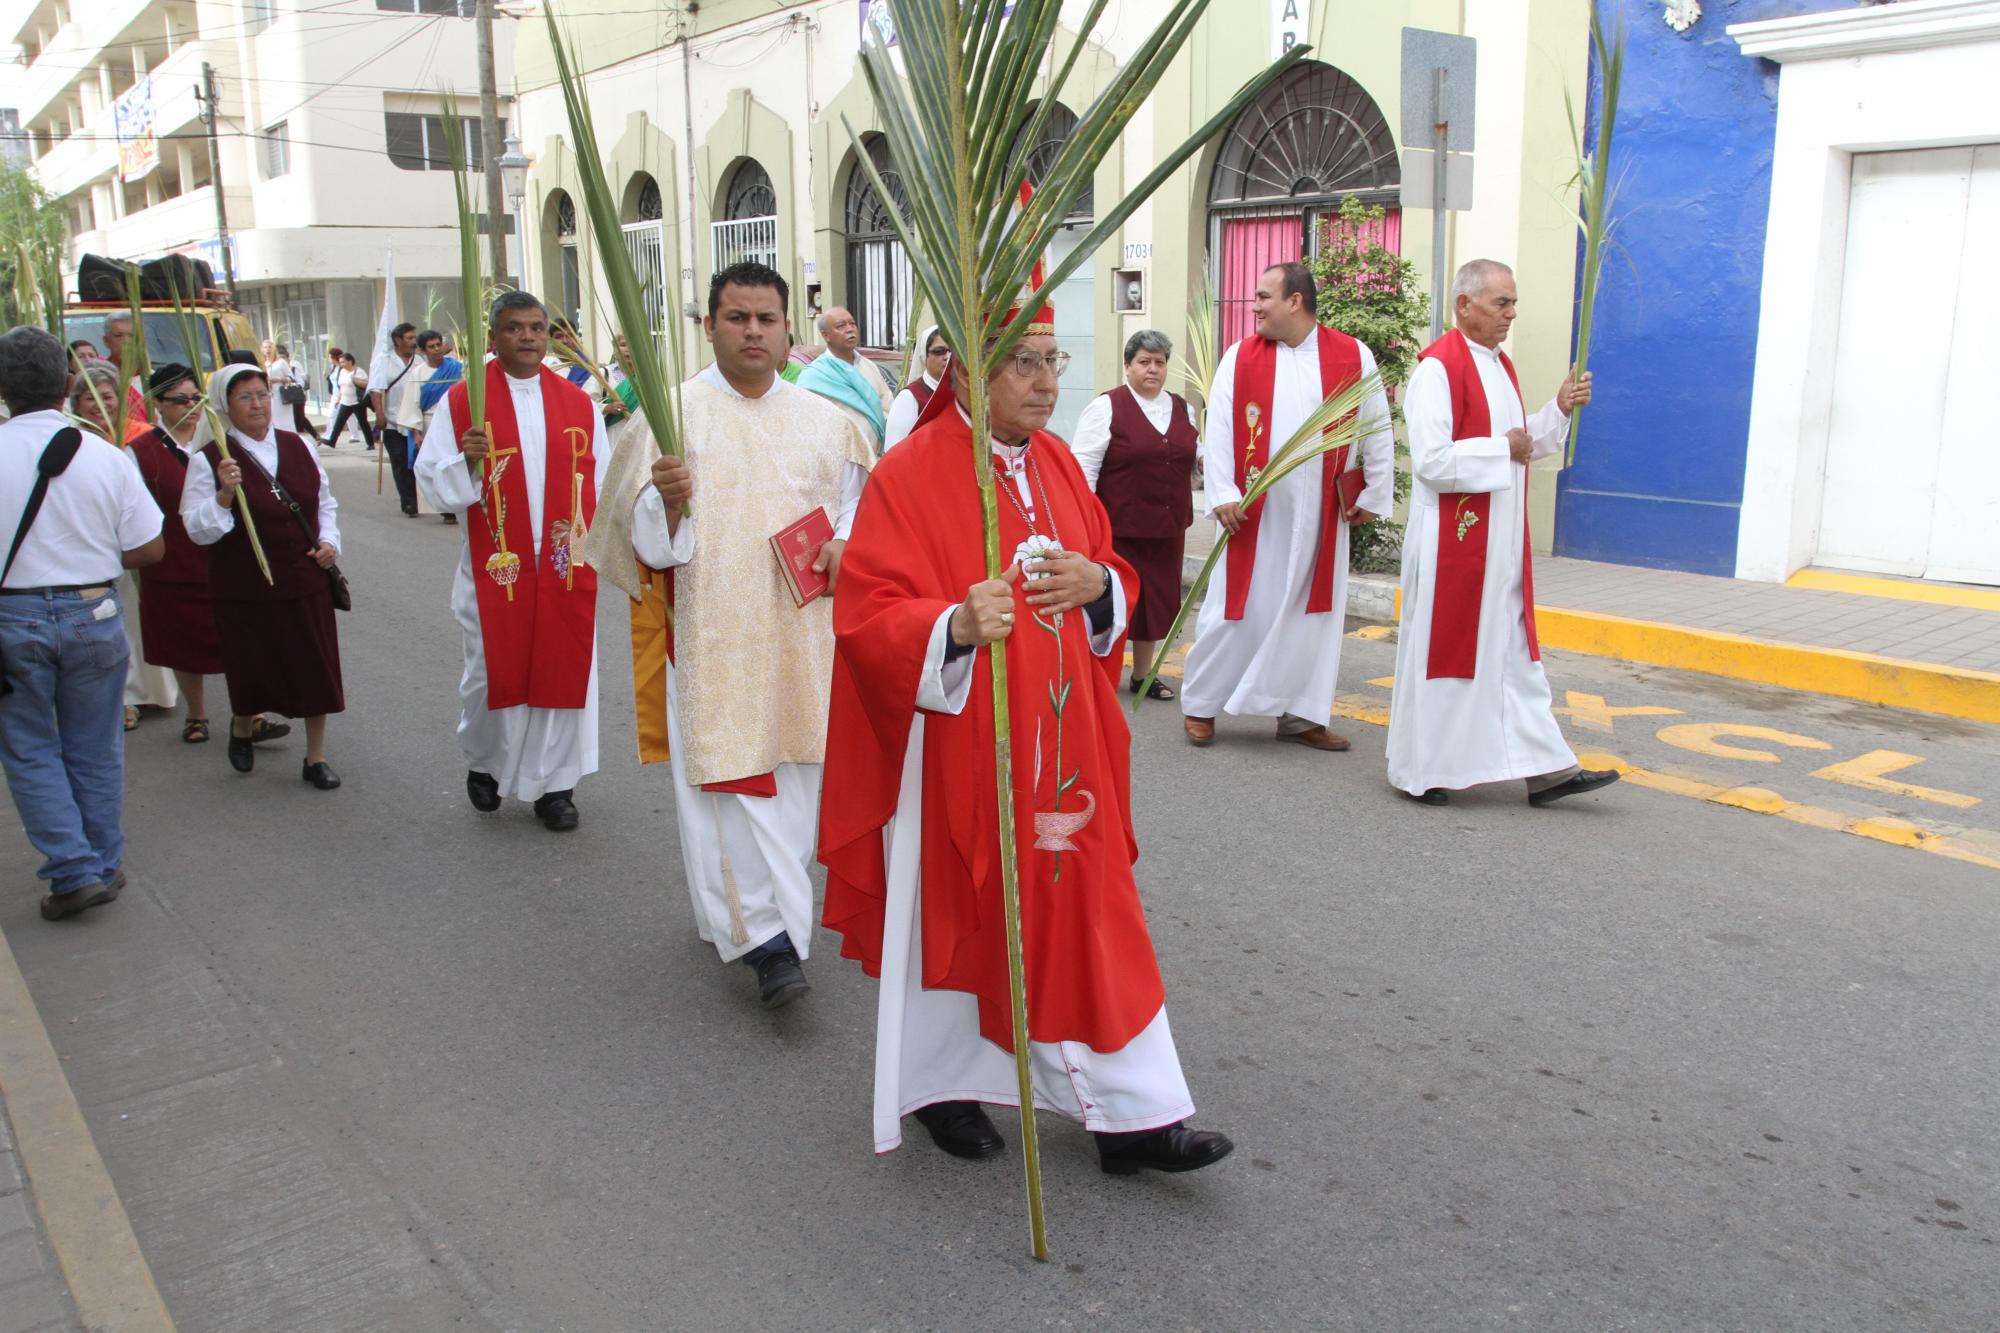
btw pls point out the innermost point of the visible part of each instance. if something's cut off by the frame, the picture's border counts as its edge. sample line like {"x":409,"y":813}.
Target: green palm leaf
{"x":957,"y":128}
{"x":471,"y":274}
{"x":1598,"y":194}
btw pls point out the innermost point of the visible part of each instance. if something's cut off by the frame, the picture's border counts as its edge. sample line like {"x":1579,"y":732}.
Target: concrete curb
{"x":109,"y":1280}
{"x":1893,"y":682}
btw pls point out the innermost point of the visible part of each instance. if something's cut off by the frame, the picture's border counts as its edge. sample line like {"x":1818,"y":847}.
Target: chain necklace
{"x":1027,"y":512}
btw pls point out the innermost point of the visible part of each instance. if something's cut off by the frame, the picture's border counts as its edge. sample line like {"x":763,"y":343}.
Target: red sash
{"x":1256,"y":377}
{"x":539,"y":626}
{"x":1463,"y":523}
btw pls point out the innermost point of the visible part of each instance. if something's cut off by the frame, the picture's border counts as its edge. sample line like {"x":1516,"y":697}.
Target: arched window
{"x":750,"y":193}
{"x":1313,"y":138}
{"x":879,"y":283}
{"x":749,"y":226}
{"x":567,"y":268}
{"x":1048,"y":145}
{"x":646,"y":242}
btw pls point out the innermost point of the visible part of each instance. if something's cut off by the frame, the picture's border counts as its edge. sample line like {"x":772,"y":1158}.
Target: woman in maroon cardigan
{"x":280,"y":646}
{"x":176,"y":620}
{"x":1136,"y":445}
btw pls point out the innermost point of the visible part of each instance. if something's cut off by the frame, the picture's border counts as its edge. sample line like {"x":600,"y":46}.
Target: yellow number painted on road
{"x":1872,"y":770}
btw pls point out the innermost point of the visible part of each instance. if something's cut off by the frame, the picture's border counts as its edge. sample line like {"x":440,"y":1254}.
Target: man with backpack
{"x":75,"y":514}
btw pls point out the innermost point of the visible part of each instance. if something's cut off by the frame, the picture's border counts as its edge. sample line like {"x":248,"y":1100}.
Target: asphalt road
{"x":1647,"y":1059}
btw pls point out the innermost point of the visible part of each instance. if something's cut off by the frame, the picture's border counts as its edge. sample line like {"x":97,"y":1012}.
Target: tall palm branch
{"x":958,"y":132}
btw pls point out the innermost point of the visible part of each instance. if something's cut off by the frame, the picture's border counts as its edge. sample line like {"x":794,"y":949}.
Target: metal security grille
{"x":750,"y":193}
{"x":1284,"y":166}
{"x":646,"y":243}
{"x":745,"y":239}
{"x":879,"y":283}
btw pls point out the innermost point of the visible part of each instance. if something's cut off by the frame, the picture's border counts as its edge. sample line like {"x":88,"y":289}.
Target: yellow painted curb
{"x":1924,"y":686}
{"x":109,"y":1279}
{"x":1864,"y":585}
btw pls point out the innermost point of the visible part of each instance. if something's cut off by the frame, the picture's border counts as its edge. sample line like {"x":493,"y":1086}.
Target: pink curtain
{"x":1249,"y":246}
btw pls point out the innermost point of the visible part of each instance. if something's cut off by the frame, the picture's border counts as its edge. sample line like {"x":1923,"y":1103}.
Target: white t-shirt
{"x":280,"y":371}
{"x":98,"y":509}
{"x":350,"y":391}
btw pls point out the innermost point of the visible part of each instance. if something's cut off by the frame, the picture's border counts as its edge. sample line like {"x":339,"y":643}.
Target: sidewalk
{"x":32,"y":1295}
{"x":1930,"y":647}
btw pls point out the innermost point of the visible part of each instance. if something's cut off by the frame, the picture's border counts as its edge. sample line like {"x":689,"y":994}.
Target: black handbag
{"x":343,"y":596}
{"x":292,"y":395}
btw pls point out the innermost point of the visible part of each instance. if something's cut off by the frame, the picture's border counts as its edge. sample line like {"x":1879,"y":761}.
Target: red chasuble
{"x":1256,"y":380}
{"x":915,"y":549}
{"x":1464,"y":520}
{"x":537,"y":616}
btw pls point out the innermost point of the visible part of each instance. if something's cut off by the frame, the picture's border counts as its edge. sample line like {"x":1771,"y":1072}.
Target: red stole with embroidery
{"x":537,"y":615}
{"x":1256,"y":380}
{"x":1464,"y":523}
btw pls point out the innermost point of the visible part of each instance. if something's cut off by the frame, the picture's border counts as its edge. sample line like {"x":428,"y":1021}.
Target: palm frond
{"x":131,"y":357}
{"x":655,"y":360}
{"x":191,"y":336}
{"x":1597,"y":187}
{"x":1335,"y":424}
{"x":471,"y":271}
{"x":1198,"y":361}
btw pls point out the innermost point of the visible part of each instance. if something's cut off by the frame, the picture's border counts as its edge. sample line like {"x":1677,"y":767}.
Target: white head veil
{"x":923,"y":361}
{"x":218,"y":398}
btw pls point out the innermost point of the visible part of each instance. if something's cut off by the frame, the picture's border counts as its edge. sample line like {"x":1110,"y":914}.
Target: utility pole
{"x":207,"y":98}
{"x":489,"y":144}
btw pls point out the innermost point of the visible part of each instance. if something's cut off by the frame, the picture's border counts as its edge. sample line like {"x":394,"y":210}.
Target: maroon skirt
{"x":281,"y":657}
{"x":1158,"y":561}
{"x":177,"y":626}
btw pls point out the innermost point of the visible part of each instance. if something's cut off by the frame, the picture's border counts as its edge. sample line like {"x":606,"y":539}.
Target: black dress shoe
{"x":781,"y":978}
{"x":447,"y":518}
{"x":483,"y":789}
{"x":1430,"y":796}
{"x":266,"y":730}
{"x":1590,"y":779}
{"x":242,"y":755}
{"x":557,"y":810}
{"x":962,"y":1129}
{"x":1175,"y":1148}
{"x":321,"y":775}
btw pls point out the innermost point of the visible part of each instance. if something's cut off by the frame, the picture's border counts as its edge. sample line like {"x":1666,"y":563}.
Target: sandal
{"x":131,"y":718}
{"x":195,"y":730}
{"x":1160,"y":689}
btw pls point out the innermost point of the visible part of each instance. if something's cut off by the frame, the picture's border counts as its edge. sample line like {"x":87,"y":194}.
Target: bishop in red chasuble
{"x":524,"y":483}
{"x":1471,"y":704}
{"x":908,"y":830}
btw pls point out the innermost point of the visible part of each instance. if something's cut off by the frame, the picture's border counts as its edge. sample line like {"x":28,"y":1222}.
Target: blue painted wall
{"x":1658,"y":476}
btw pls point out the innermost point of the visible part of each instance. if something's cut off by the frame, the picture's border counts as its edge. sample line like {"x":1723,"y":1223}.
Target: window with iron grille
{"x":1285,"y":163}
{"x":277,"y":150}
{"x":464,"y":9}
{"x":1048,"y":147}
{"x":879,"y":282}
{"x":417,"y":142}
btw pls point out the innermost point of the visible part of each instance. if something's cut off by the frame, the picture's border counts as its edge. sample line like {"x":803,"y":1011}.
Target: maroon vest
{"x":161,"y":466}
{"x":919,"y":391}
{"x":232,"y":568}
{"x":1146,"y":482}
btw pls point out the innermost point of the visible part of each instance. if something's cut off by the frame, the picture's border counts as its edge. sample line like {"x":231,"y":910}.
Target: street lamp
{"x":514,"y":166}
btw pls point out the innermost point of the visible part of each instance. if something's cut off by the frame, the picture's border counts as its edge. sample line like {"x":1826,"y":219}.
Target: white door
{"x":1965,"y":525}
{"x":1912,"y":468}
{"x":1075,"y":323}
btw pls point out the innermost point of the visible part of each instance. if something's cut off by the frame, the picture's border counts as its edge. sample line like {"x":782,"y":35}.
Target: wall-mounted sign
{"x":1138,"y":250}
{"x":1289,"y":20}
{"x":132,"y":126}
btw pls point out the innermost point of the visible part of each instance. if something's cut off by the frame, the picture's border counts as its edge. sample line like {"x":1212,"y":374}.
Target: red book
{"x":796,"y":547}
{"x":1352,"y":482}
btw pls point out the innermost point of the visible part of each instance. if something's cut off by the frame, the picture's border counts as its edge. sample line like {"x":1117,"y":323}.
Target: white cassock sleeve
{"x":329,"y":509}
{"x":1218,"y":446}
{"x":944,"y":686}
{"x":903,"y":414}
{"x":1378,"y":447}
{"x":445,"y":479}
{"x":1448,"y":466}
{"x":1091,"y":439}
{"x":651,"y":541}
{"x":1549,"y":428}
{"x":853,"y":479}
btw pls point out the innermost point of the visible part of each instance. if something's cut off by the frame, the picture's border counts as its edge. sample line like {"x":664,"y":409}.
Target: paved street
{"x":1707,"y":1050}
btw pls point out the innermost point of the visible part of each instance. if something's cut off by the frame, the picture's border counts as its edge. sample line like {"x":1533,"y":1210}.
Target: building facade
{"x":724,"y":130}
{"x":329,"y":146}
{"x":1795,"y":365}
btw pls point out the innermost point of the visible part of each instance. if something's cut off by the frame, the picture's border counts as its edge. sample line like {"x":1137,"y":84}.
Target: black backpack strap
{"x":55,"y":460}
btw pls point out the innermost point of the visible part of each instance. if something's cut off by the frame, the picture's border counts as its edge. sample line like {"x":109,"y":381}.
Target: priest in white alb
{"x":746,"y":670}
{"x":1471,"y":704}
{"x":1267,"y":638}
{"x":526,"y":481}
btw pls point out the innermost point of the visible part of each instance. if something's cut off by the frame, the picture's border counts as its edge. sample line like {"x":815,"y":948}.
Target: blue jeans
{"x":62,"y":730}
